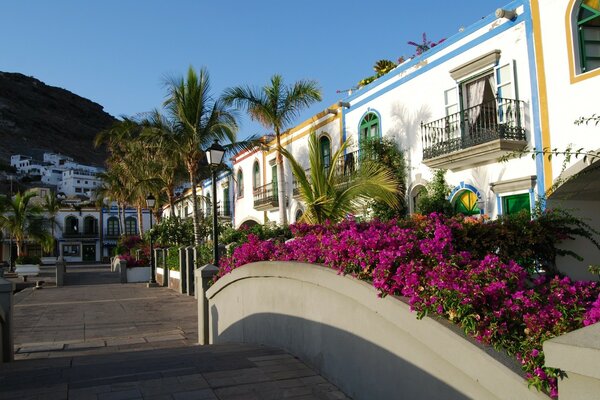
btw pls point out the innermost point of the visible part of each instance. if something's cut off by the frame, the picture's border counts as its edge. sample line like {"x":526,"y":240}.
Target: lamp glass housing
{"x":150,"y":201}
{"x":214,"y":154}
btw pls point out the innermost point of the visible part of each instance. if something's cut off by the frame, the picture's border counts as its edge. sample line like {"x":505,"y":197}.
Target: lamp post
{"x":10,"y":244}
{"x":150,"y":201}
{"x":214,"y":157}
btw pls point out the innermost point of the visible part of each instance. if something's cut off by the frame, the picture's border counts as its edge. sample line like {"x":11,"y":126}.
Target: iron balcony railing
{"x":76,"y":235}
{"x":345,"y":167}
{"x":498,"y":119}
{"x":266,"y":195}
{"x":224,"y":209}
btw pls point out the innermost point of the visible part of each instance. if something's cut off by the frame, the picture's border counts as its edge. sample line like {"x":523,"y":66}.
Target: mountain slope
{"x":35,"y":118}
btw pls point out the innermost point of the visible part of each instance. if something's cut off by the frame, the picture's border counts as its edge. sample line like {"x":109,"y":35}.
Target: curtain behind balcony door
{"x":475,"y":92}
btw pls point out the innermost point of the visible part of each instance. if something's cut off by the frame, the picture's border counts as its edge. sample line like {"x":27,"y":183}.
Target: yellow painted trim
{"x":264,"y":171}
{"x":542,"y":90}
{"x":575,"y":77}
{"x":294,"y":138}
{"x":341,"y":130}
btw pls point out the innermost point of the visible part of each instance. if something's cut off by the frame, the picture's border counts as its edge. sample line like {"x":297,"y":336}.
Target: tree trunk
{"x":197,"y":238}
{"x":171,"y":204}
{"x":140,"y":215}
{"x":281,"y":183}
{"x":121,"y":212}
{"x":19,"y":247}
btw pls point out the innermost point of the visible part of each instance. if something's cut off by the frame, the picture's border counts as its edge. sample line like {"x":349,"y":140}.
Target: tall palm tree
{"x":167,"y":166}
{"x":199,"y":119}
{"x":113,"y":189}
{"x":51,"y":206}
{"x":275,"y":106}
{"x":23,"y":220}
{"x":333,"y":193}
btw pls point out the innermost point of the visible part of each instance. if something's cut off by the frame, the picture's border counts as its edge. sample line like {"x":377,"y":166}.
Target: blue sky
{"x":117,"y":53}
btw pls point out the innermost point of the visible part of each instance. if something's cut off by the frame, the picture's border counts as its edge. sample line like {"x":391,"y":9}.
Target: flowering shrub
{"x":132,"y":262}
{"x":493,"y":300}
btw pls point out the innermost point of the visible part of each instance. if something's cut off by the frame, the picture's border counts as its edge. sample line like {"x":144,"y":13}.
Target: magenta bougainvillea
{"x":494,"y":301}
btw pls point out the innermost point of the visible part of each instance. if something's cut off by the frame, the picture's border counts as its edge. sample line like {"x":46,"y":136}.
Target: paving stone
{"x":111,"y":341}
{"x":122,"y":395}
{"x":202,"y":394}
{"x":41,"y":348}
{"x":85,"y":345}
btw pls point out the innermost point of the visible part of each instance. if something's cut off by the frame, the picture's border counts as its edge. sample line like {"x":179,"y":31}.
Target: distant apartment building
{"x":85,"y":234}
{"x":68,"y":177}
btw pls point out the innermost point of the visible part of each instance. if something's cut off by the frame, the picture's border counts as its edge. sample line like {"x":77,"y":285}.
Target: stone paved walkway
{"x":98,"y":339}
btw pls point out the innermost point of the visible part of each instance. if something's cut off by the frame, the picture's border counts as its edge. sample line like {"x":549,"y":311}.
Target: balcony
{"x":224,"y":210}
{"x":474,"y":136}
{"x":79,"y":235}
{"x":345,"y":167}
{"x":266,"y":197}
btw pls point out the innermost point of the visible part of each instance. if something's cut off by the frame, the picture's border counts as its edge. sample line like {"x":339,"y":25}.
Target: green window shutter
{"x":256,"y":176}
{"x":515,"y":203}
{"x":369,"y":127}
{"x":325,"y":151}
{"x":588,"y":22}
{"x":274,"y":180}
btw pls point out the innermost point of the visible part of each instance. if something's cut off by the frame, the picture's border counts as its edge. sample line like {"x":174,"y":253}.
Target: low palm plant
{"x":23,"y":220}
{"x":332,"y":193}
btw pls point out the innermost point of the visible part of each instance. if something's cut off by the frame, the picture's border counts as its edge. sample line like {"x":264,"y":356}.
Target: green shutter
{"x":515,"y":203}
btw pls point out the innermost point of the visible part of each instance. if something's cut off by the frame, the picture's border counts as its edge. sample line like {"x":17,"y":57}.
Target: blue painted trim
{"x":484,"y":37}
{"x":343,"y":132}
{"x":535,"y":103}
{"x":499,"y":204}
{"x":448,"y":42}
{"x":531,"y":200}
{"x":464,"y":186}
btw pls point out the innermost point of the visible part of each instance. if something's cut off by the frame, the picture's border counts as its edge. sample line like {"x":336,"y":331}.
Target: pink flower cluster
{"x":496,"y":302}
{"x":132,"y":262}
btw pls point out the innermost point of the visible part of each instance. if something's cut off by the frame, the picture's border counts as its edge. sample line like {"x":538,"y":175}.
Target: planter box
{"x":174,"y":280}
{"x":48,"y":260}
{"x":138,"y":274}
{"x":160,"y":275}
{"x":25,"y":270}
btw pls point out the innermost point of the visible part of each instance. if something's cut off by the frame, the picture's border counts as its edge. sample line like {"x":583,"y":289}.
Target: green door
{"x":274,"y":173}
{"x":89,"y":252}
{"x":226,"y":205}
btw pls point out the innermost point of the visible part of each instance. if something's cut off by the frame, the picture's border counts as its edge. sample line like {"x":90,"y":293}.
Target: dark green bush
{"x":173,"y":258}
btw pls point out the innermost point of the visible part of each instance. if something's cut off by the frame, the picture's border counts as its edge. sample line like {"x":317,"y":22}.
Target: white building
{"x":69,"y":177}
{"x":85,"y":234}
{"x":513,"y":81}
{"x":225,"y":200}
{"x":256,"y":186}
{"x":79,"y":182}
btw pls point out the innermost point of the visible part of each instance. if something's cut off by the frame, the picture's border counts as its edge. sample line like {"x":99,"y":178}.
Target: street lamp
{"x":214,"y":157}
{"x":150,"y":201}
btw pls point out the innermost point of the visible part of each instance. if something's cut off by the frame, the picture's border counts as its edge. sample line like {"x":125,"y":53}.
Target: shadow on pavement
{"x":90,"y":275}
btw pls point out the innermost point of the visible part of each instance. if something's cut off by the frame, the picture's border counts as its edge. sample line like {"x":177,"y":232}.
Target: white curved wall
{"x":371,"y":348}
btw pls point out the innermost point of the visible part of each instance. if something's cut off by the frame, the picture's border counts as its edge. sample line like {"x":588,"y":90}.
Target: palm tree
{"x":199,"y":119}
{"x":333,"y":193}
{"x":113,"y":189}
{"x":51,"y":206}
{"x":275,"y":106}
{"x":23,"y":220}
{"x":167,"y":167}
